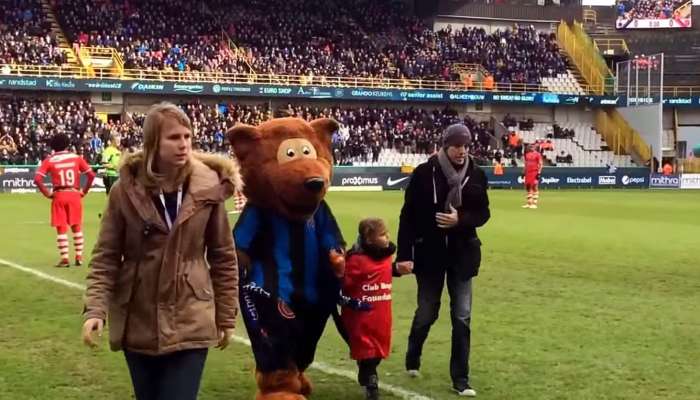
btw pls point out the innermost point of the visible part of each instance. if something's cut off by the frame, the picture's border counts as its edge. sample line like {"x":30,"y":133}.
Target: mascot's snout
{"x":314,"y":185}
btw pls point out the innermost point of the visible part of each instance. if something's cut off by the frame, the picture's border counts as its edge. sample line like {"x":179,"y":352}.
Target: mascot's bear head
{"x":286,"y":163}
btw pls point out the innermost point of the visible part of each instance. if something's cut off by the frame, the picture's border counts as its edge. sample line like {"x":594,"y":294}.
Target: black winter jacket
{"x":432,"y":248}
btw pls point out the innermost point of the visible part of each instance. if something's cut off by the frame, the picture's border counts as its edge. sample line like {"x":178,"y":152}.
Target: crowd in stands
{"x":648,"y":9}
{"x":301,"y":37}
{"x":517,"y":55}
{"x":167,"y":35}
{"x":351,"y":38}
{"x":25,"y":36}
{"x":26,"y":124}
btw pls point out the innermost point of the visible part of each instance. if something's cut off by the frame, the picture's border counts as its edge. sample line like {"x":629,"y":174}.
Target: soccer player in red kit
{"x":66,"y":196}
{"x":533,"y":168}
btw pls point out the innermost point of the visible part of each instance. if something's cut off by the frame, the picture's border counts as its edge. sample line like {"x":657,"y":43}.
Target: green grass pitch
{"x":596,"y":295}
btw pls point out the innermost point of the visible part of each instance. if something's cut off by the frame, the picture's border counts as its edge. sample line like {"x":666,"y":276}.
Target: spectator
{"x":667,"y":169}
{"x":437,"y":238}
{"x":8,"y":143}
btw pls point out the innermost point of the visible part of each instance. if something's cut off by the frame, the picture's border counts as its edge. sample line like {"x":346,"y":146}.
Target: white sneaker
{"x":413,"y":373}
{"x":526,"y":206}
{"x":466,"y":392}
{"x":533,"y":206}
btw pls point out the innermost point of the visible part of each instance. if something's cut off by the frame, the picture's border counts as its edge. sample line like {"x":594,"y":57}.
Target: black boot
{"x":372,"y":388}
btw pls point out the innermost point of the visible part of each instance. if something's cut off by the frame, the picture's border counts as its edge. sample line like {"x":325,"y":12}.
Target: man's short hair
{"x":59,"y":142}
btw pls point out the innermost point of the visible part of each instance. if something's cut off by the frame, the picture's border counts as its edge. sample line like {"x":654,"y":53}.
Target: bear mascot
{"x":290,"y":249}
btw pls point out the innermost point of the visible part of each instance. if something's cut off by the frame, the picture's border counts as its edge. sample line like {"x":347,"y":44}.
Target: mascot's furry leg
{"x":279,"y":385}
{"x":306,"y":386}
{"x":274,"y":332}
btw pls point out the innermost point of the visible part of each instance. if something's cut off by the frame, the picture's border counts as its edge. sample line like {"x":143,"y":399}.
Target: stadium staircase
{"x":581,"y":52}
{"x":102,"y":62}
{"x":574,"y":73}
{"x":59,"y":34}
{"x":621,"y":137}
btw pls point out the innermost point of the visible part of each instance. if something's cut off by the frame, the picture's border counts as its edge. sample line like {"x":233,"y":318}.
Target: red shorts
{"x":531,"y":180}
{"x":66,"y":209}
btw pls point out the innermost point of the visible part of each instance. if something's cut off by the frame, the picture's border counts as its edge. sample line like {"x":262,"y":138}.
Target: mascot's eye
{"x":306,"y":151}
{"x":290,"y":153}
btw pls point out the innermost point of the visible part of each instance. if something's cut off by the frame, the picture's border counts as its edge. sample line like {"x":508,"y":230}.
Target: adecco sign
{"x":690,"y":181}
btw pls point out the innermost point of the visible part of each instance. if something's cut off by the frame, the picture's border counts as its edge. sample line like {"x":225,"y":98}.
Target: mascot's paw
{"x":337,"y":259}
{"x":354,"y":304}
{"x":306,"y":387}
{"x":279,"y":385}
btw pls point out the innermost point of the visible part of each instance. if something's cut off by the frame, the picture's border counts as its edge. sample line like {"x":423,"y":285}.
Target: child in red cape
{"x":368,"y":274}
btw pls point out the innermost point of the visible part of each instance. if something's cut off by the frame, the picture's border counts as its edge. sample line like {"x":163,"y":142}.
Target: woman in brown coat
{"x":164,"y":268}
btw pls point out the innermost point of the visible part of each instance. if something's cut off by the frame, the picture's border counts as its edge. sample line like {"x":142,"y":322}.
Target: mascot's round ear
{"x":324,"y":128}
{"x":243,"y":138}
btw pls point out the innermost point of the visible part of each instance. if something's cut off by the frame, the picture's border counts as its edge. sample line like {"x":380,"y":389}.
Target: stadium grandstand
{"x":559,"y":55}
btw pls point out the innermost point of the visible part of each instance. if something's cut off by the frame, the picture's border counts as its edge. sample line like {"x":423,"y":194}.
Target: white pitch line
{"x":317,"y":365}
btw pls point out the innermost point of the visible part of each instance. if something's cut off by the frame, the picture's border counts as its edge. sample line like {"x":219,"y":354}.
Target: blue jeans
{"x":430,"y":285}
{"x":174,"y":376}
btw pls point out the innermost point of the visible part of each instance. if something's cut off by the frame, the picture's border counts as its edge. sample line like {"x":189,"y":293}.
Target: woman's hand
{"x":225,"y":336}
{"x":90,"y":326}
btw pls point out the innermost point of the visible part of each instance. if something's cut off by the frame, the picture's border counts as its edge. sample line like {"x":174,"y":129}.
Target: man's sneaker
{"x":533,"y":206}
{"x":526,"y":206}
{"x":372,"y":388}
{"x":63,"y":264}
{"x":413,"y":373}
{"x":78,"y":262}
{"x":465,"y":390}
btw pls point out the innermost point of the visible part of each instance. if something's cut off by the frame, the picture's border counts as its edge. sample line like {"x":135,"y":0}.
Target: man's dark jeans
{"x":430,"y":285}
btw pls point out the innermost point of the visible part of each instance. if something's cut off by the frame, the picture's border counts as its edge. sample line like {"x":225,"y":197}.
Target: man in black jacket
{"x":445,"y":202}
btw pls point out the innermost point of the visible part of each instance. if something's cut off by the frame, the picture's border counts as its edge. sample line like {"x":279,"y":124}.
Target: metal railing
{"x":590,"y":16}
{"x":78,"y":72}
{"x":239,"y":51}
{"x":604,"y":45}
{"x":264,"y":79}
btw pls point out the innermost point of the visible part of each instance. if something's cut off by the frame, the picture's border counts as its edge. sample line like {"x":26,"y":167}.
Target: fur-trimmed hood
{"x":206,"y":172}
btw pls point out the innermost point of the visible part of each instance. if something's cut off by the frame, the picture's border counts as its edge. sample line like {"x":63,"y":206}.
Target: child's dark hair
{"x":59,"y":142}
{"x":371,"y":226}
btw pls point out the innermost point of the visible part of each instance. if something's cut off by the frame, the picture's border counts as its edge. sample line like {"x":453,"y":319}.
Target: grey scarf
{"x":454,"y":179}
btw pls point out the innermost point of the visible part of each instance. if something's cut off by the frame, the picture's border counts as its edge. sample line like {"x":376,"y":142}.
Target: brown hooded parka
{"x":165,"y":291}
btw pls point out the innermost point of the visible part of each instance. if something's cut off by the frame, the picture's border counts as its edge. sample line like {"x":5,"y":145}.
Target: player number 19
{"x":67,"y":177}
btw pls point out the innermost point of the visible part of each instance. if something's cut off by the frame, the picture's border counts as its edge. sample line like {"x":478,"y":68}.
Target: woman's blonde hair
{"x":152,"y":127}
